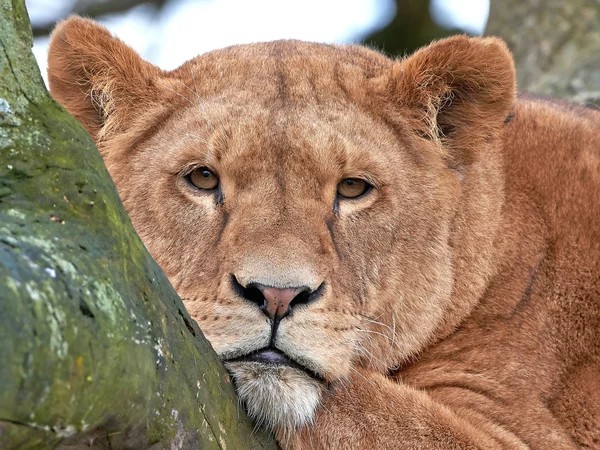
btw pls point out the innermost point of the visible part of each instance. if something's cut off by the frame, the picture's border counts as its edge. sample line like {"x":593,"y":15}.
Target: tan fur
{"x":461,"y":301}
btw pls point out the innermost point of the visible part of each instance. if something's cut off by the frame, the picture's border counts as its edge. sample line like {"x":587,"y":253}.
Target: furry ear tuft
{"x":96,"y":77}
{"x":456,"y":92}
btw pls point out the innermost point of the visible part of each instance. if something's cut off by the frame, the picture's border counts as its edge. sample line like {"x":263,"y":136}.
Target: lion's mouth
{"x":274,"y":357}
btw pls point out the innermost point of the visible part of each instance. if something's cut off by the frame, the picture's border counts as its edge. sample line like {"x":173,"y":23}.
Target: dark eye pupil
{"x":203,"y":178}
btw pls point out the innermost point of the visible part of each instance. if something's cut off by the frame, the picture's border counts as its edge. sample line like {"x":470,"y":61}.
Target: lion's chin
{"x":276,"y":396}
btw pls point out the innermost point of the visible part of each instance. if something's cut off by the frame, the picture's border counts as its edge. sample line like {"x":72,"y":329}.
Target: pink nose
{"x":276,"y":303}
{"x":278,"y":300}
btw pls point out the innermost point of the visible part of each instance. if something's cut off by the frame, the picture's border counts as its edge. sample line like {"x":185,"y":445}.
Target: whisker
{"x":362,"y":376}
{"x":376,"y":322}
{"x":393,"y":329}
{"x":374,"y":332}
{"x":344,"y":385}
{"x":371,"y":318}
{"x":362,"y":350}
{"x":188,"y":88}
{"x":195,"y":85}
{"x":175,"y":92}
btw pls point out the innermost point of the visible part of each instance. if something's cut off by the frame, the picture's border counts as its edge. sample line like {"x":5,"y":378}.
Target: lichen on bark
{"x":556,"y":45}
{"x":95,"y":344}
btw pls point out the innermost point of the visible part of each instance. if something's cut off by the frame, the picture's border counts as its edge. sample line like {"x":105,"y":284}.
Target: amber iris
{"x":203,"y":178}
{"x":352,"y":187}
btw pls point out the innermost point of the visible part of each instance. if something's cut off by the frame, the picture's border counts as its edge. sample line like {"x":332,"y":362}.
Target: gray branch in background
{"x":90,"y":8}
{"x":556,"y":45}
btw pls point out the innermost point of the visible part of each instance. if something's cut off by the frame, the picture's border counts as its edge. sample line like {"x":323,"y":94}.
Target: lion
{"x":385,"y":253}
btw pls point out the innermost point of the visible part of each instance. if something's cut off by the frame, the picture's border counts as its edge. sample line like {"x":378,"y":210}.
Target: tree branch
{"x":556,"y":46}
{"x":87,"y":8}
{"x":95,"y":346}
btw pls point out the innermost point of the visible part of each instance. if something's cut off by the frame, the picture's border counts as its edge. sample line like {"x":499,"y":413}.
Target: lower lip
{"x":269,"y":357}
{"x":274,"y":358}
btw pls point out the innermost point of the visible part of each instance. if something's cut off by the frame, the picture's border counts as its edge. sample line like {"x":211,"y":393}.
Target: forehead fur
{"x":245,"y":112}
{"x":288,"y":70}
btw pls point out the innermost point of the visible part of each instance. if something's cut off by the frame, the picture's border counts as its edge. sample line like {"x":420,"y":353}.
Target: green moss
{"x":92,"y":335}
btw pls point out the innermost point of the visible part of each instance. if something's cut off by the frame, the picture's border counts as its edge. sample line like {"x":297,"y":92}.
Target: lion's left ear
{"x":458,"y":92}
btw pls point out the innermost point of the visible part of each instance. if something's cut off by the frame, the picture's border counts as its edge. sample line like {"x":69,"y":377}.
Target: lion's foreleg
{"x":372,"y":412}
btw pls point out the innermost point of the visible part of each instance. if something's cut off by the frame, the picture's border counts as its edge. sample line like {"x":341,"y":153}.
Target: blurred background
{"x":555,"y":43}
{"x":168,"y":32}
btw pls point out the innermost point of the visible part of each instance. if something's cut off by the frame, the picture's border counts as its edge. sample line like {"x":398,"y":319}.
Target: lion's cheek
{"x":277,"y":397}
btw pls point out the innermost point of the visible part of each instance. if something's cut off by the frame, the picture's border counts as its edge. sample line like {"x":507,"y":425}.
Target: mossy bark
{"x":95,"y":346}
{"x":556,"y":45}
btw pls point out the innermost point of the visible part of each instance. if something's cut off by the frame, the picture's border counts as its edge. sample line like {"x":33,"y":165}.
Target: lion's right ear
{"x":457,"y":92}
{"x":97,"y":78}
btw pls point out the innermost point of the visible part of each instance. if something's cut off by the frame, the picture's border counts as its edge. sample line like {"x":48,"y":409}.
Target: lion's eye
{"x":203,"y":178}
{"x":352,"y":187}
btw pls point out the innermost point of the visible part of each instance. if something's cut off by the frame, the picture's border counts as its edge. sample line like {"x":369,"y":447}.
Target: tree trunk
{"x":556,"y":44}
{"x":96,"y":349}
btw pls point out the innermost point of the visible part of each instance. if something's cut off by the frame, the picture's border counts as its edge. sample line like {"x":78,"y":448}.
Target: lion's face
{"x":365,"y":277}
{"x":236,"y":175}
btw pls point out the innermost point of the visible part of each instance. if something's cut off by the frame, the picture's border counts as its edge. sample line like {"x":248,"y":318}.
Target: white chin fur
{"x":277,"y":397}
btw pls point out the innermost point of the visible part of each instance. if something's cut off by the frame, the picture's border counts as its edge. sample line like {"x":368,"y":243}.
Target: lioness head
{"x":317,"y":207}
